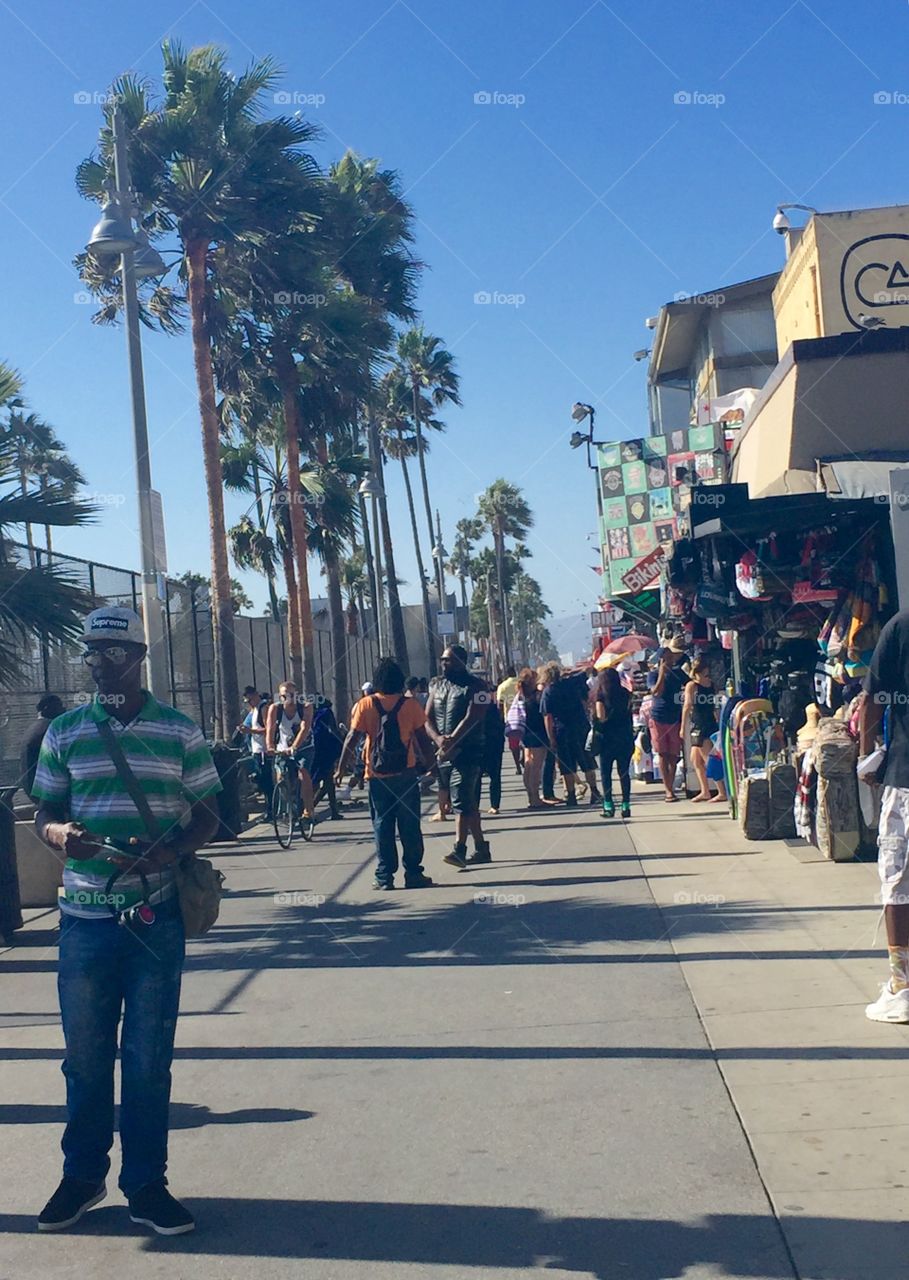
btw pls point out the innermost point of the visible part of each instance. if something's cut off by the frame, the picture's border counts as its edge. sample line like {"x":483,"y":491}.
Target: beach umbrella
{"x":630,"y":644}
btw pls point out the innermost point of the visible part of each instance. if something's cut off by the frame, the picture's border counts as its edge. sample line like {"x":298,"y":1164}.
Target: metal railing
{"x":262,"y":656}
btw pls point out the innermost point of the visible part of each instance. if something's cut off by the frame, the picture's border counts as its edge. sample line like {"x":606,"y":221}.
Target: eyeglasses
{"x":115,"y":654}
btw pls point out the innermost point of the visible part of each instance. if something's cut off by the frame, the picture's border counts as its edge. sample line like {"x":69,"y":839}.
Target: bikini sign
{"x":644,"y":572}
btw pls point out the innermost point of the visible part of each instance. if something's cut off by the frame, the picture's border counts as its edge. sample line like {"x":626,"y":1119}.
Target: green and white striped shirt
{"x":172,"y":764}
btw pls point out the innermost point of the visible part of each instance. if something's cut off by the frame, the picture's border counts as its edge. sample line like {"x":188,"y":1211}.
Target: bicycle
{"x":286,"y":812}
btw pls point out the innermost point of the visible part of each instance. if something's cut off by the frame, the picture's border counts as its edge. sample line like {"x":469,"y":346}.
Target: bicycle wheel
{"x":307,"y":827}
{"x":283,"y":813}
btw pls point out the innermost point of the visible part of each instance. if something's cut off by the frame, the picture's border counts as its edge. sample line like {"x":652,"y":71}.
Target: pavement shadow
{"x":492,"y":1238}
{"x":183,"y":1115}
{"x":500,"y":923}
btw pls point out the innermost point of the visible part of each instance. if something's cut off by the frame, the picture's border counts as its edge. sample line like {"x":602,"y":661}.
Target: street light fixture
{"x":112,"y":235}
{"x":579,"y":412}
{"x":370,"y":487}
{"x":147,"y":261}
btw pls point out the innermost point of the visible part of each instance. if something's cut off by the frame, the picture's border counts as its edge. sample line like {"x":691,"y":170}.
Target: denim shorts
{"x":465,"y":786}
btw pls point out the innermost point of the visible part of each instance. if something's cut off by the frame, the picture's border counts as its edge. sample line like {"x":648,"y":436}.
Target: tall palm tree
{"x":504,"y":511}
{"x":428,"y":368}
{"x":467,"y":533}
{"x":241,"y":463}
{"x":372,"y":228}
{"x":209,"y":169}
{"x":35,"y":603}
{"x":40,"y":456}
{"x":398,"y":441}
{"x":334,"y":522}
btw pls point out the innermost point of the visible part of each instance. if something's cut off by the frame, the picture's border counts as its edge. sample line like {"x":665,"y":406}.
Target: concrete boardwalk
{"x":645,"y":1057}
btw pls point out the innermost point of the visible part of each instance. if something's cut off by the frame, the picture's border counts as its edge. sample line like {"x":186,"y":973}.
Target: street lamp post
{"x":114,"y":234}
{"x":370,"y":487}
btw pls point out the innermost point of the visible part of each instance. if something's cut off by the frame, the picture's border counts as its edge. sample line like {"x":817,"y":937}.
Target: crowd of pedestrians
{"x":125,"y":787}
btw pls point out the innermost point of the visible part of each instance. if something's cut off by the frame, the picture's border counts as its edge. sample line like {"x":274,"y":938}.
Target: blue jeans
{"x":549,"y":765}
{"x":394,"y":803}
{"x":106,"y":967}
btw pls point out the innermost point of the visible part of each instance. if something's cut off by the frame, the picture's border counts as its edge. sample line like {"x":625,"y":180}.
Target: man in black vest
{"x":455,"y":720}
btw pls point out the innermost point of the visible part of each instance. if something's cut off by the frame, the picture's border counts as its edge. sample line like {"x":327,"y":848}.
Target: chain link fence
{"x":262,"y":655}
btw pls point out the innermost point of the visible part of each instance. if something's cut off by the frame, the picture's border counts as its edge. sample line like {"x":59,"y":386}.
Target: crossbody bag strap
{"x":128,"y":778}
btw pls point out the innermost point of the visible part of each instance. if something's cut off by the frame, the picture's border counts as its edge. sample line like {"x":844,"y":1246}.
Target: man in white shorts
{"x":887,"y":687}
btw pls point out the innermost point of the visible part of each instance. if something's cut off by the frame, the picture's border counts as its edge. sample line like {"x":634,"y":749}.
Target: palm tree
{"x":467,"y":533}
{"x":40,"y":456}
{"x":238,"y":597}
{"x":528,"y":609}
{"x":206,"y":167}
{"x":504,"y":511}
{"x":334,"y":523}
{"x":35,"y":603}
{"x":372,"y":228}
{"x":251,"y":464}
{"x":428,"y":367}
{"x":398,"y":441}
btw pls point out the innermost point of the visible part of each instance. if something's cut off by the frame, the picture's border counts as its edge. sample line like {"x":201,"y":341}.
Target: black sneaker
{"x":457,"y":857}
{"x":385,"y":885}
{"x":66,"y":1206}
{"x":480,"y":855}
{"x":571,"y":800}
{"x":418,"y":882}
{"x":155,"y":1207}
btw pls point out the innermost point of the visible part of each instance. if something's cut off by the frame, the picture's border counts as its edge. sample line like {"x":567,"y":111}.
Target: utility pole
{"x":152,"y":611}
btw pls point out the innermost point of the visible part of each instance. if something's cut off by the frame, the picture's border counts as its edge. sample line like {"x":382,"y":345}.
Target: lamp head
{"x":580,"y":411}
{"x":369,"y":487}
{"x":577,"y":439}
{"x":113,"y":233}
{"x":147,"y":261}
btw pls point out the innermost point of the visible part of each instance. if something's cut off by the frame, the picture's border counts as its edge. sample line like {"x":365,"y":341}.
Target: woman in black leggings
{"x":612,"y":708}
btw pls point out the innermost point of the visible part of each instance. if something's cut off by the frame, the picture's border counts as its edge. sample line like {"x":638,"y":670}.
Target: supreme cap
{"x":114,"y":623}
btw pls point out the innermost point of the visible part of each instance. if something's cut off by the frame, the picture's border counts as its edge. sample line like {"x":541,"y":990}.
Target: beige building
{"x":838,"y":396}
{"x":707,"y":346}
{"x":845,"y":272}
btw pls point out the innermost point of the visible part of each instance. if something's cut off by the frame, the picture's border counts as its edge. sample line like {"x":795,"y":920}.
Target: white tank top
{"x":287,"y":728}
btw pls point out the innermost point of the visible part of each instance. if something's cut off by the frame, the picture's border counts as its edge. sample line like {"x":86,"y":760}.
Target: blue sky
{"x":584,"y":195}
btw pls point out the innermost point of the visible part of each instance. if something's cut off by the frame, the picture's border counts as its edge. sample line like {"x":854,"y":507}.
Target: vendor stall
{"x":788,"y":596}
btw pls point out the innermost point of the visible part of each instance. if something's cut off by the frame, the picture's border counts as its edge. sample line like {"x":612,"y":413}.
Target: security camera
{"x":642,"y":354}
{"x":651,"y":322}
{"x":781,"y":223}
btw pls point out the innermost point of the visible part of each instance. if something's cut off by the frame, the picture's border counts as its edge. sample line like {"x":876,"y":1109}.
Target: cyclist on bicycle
{"x":288,"y":737}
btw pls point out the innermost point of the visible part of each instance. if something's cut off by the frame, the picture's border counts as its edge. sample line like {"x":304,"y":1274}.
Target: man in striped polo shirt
{"x":112,"y":958}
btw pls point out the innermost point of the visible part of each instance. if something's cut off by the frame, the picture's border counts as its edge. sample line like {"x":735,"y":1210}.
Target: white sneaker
{"x":890,"y":1006}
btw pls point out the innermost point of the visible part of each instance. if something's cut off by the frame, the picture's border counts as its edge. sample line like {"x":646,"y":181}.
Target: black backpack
{"x":389,"y":753}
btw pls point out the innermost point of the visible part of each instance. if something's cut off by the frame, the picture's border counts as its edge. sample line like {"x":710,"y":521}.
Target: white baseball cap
{"x":368,"y":687}
{"x":111,"y":622}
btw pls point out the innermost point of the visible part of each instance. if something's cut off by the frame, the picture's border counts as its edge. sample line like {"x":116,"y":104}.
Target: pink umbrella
{"x":630,"y":644}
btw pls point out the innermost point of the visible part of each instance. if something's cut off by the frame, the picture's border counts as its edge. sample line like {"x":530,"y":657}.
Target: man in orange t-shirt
{"x":396,"y":741}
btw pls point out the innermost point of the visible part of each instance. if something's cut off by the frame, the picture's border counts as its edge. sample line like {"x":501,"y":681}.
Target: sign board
{"x":607,"y":617}
{"x":621,"y":629}
{"x":445,"y":623}
{"x":159,"y":543}
{"x":643,"y":573}
{"x":644,"y":489}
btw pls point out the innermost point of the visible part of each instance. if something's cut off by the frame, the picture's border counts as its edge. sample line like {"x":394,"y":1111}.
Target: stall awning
{"x":860,"y":477}
{"x":731,"y":513}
